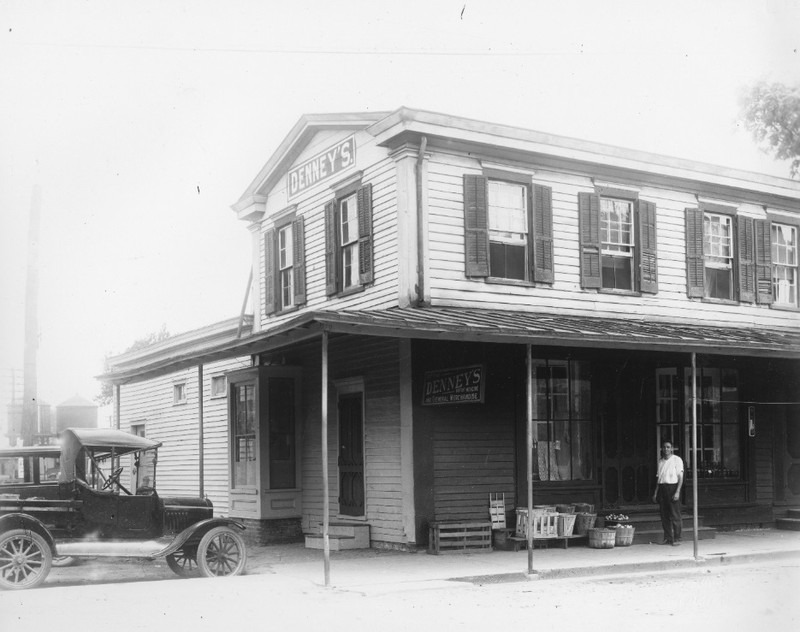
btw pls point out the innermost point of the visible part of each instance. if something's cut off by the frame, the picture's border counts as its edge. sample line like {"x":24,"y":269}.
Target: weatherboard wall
{"x":451,"y":287}
{"x":176,"y":425}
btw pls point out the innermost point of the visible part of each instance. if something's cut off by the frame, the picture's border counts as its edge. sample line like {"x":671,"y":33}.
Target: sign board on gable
{"x":463,"y":385}
{"x":325,"y":164}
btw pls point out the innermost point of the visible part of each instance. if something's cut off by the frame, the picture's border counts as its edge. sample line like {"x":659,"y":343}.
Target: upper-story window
{"x":508,"y":228}
{"x":617,"y":241}
{"x":784,"y":264}
{"x":348,"y":240}
{"x":284,"y":265}
{"x":718,"y":255}
{"x":179,"y":393}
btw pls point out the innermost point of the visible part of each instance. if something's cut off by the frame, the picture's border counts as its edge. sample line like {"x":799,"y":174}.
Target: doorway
{"x":351,"y":454}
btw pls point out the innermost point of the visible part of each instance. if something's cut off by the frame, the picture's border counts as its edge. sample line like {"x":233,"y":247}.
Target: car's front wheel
{"x":183,"y":562}
{"x":221,"y":553}
{"x":25,"y":559}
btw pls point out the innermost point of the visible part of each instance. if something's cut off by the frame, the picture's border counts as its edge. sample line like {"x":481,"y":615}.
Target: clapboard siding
{"x":150,"y":402}
{"x":380,"y":171}
{"x":376,"y":361}
{"x":449,"y":286}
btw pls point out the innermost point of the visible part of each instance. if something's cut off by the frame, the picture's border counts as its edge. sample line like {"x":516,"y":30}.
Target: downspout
{"x":420,"y":241}
{"x":200,"y":446}
{"x":529,"y":442}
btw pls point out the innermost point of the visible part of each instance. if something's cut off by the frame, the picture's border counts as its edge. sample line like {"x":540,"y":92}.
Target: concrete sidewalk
{"x":372,"y":570}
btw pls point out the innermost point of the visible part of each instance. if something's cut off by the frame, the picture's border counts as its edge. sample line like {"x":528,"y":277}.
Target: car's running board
{"x":120,"y":548}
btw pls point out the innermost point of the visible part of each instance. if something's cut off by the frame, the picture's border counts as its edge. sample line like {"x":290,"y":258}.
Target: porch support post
{"x":326,"y":501}
{"x":694,"y":454}
{"x":529,"y":432}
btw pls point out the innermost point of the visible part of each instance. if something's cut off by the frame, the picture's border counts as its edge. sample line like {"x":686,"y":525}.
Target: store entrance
{"x":627,"y":439}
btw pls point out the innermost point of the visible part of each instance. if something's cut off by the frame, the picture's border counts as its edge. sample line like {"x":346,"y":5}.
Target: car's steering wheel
{"x":113,"y":478}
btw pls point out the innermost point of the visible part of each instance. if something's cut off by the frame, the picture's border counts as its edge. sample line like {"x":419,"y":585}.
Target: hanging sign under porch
{"x":462,"y":385}
{"x":331,"y":161}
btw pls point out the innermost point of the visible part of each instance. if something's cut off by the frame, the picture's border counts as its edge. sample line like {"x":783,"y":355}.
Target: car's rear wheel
{"x":25,"y":559}
{"x":62,"y":561}
{"x":221,"y":553}
{"x":183,"y":562}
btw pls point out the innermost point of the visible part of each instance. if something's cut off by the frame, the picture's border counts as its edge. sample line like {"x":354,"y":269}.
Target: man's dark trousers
{"x":670,"y":511}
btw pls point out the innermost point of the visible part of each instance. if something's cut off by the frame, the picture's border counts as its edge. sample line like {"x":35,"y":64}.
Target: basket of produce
{"x":602,"y":538}
{"x":624,"y":534}
{"x":584,"y":522}
{"x":565,"y":509}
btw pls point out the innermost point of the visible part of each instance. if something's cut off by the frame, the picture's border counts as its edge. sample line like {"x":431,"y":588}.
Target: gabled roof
{"x":405,"y":124}
{"x":287,"y":152}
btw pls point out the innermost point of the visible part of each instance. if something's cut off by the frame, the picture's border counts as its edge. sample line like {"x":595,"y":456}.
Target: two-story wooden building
{"x":451,"y":283}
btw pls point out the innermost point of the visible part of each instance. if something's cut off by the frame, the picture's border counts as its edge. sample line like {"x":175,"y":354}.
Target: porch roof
{"x":480,"y":325}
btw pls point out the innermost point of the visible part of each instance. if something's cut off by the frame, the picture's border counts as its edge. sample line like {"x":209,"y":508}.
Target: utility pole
{"x":30,"y":403}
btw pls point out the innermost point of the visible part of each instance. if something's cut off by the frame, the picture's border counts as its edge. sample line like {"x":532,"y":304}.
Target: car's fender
{"x":195,"y":533}
{"x":25,"y":521}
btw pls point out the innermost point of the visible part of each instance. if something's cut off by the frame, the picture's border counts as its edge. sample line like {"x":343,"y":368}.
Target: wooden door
{"x":351,"y":455}
{"x":790,"y":460}
{"x":627,"y":443}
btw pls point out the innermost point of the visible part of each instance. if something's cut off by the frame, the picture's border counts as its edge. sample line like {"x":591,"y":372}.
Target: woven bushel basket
{"x":624,"y":536}
{"x":584,"y":522}
{"x":602,"y":538}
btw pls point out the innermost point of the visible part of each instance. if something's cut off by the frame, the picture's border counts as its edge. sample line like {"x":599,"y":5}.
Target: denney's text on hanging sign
{"x":463,"y":385}
{"x":325,"y":164}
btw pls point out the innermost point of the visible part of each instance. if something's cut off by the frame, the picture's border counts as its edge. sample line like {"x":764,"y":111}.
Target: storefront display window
{"x":244,"y":435}
{"x":561,"y":409}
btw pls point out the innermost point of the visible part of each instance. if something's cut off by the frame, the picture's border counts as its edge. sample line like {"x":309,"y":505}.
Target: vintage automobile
{"x":88,"y":509}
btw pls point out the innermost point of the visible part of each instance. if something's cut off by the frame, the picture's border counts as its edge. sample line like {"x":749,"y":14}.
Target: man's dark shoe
{"x":665,"y":542}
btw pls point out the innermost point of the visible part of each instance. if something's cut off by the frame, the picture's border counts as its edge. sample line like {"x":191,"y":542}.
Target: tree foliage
{"x":106,"y":395}
{"x":771,"y":112}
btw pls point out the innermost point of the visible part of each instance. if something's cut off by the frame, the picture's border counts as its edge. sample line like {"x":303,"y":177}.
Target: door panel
{"x":351,"y":455}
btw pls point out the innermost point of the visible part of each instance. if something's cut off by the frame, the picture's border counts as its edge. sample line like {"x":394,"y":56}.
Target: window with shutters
{"x":617,"y":244}
{"x":284,"y":265}
{"x":784,"y":264}
{"x":617,"y":241}
{"x":348,"y":241}
{"x":718,"y":255}
{"x":508,"y":229}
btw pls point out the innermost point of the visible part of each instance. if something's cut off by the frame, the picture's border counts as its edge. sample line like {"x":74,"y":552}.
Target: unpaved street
{"x":739,"y":597}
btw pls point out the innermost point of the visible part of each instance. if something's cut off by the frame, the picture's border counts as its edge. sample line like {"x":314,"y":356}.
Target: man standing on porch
{"x":668,"y":494}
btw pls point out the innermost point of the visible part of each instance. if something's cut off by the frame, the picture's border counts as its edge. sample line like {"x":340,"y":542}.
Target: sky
{"x":142,"y":122}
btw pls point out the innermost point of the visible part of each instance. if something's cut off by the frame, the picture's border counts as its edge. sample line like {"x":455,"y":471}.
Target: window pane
{"x":719,"y":283}
{"x":244,"y":439}
{"x":508,"y":207}
{"x":617,"y":272}
{"x":348,"y":218}
{"x":282,"y":449}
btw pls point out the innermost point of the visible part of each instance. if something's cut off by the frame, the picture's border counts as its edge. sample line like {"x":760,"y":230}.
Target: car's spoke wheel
{"x":221,"y":553}
{"x":62,"y":561}
{"x":25,"y":559}
{"x":183,"y":562}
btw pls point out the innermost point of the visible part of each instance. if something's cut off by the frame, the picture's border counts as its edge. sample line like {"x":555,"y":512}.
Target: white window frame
{"x":716,"y":245}
{"x":501,"y":217}
{"x":178,"y":393}
{"x":784,"y":264}
{"x":348,"y":241}
{"x":616,"y":247}
{"x":286,"y":266}
{"x":217,"y":379}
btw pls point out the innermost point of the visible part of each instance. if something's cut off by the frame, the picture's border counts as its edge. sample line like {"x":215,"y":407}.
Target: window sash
{"x":285,"y":248}
{"x":348,"y":221}
{"x":350,"y":265}
{"x":717,"y":240}
{"x":616,"y":227}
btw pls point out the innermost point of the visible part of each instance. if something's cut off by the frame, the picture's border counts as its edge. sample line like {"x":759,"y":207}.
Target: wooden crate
{"x":545,"y":525}
{"x":459,"y":537}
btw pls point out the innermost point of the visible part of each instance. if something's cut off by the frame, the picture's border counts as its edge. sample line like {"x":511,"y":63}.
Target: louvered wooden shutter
{"x":331,"y":248}
{"x":746,"y":259}
{"x":648,"y":252}
{"x":476,"y":227}
{"x":365,"y":259}
{"x":269,"y":271}
{"x":543,"y":234}
{"x":299,"y":263}
{"x":695,"y":265}
{"x":589,"y":221}
{"x":763,"y":254}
